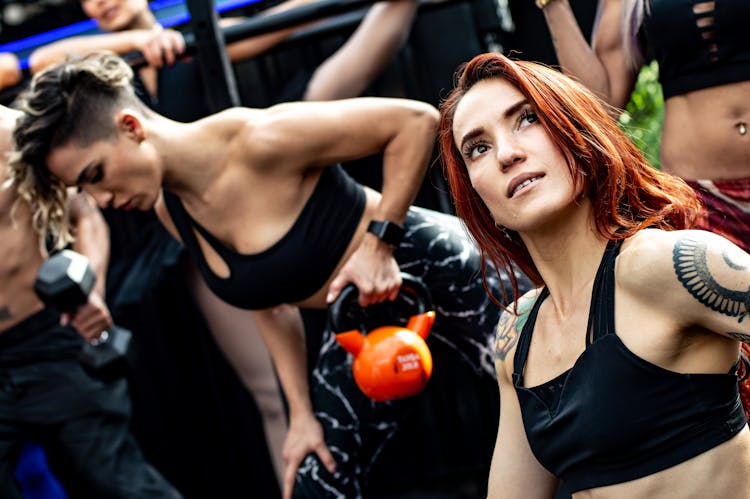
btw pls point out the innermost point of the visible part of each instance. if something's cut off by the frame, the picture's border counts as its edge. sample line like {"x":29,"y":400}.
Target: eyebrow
{"x":84,"y":173}
{"x":506,"y":114}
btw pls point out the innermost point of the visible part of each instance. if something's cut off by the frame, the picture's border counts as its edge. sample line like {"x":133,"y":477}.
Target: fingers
{"x":294,"y":459}
{"x":335,"y":288}
{"x":91,"y":328}
{"x":90,"y":319}
{"x":290,"y":472}
{"x":173,"y":46}
{"x":326,"y":457}
{"x":371,"y":292}
{"x":163,"y":48}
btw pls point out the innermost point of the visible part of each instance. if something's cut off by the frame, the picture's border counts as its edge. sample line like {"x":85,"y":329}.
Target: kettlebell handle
{"x":348,"y":298}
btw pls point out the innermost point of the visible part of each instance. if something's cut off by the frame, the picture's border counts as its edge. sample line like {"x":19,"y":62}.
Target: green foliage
{"x":643,"y":118}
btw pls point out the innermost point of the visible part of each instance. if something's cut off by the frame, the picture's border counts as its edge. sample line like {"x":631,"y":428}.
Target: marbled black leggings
{"x":436,"y":249}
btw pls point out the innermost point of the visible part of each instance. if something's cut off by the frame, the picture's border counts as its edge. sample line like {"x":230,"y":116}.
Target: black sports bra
{"x":297,"y":265}
{"x":614,"y":417}
{"x":697,"y":51}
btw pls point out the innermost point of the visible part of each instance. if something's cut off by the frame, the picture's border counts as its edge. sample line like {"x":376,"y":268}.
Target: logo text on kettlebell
{"x":408,"y":362}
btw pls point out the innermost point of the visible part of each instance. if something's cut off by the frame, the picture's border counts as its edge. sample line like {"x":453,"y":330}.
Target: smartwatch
{"x":389,"y":232}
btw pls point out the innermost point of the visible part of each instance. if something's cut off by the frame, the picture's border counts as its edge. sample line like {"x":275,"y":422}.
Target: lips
{"x":110,"y":14}
{"x":521,"y":181}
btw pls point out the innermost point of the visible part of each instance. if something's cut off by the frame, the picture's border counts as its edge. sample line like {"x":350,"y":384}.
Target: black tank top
{"x":614,"y":417}
{"x":692,"y":57}
{"x":297,"y":265}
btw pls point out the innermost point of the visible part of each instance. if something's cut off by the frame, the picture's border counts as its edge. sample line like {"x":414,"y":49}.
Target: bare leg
{"x":238,"y":338}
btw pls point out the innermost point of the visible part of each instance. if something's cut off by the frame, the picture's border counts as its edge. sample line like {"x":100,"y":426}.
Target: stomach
{"x":719,"y":472}
{"x":18,"y":300}
{"x":22,"y":255}
{"x":701,"y":138}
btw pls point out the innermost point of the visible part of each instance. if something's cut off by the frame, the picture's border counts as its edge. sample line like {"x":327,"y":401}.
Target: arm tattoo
{"x":691,"y":267}
{"x":744,"y":338}
{"x":506,"y":336}
{"x":5,"y":314}
{"x":509,"y":329}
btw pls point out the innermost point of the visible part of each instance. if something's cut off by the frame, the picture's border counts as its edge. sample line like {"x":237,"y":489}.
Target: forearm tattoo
{"x":5,"y":314}
{"x":509,"y":329}
{"x":744,"y":338}
{"x":691,"y":266}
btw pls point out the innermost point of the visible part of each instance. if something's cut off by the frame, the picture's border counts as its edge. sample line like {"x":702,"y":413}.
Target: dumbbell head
{"x":65,"y":280}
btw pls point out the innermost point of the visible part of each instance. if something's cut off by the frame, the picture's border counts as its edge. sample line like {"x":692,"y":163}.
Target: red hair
{"x":626,"y":192}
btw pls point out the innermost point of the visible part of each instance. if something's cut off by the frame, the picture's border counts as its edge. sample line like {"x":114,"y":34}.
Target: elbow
{"x":429,"y":118}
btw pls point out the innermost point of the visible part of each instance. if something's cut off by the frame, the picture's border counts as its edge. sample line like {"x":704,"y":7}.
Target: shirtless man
{"x":45,"y":394}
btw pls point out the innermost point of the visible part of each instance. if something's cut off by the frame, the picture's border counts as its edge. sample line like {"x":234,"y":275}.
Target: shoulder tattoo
{"x":691,"y":266}
{"x":5,"y":314}
{"x":509,"y":328}
{"x":744,"y":338}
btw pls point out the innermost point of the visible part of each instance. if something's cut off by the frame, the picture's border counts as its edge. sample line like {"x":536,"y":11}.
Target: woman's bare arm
{"x":601,"y":66}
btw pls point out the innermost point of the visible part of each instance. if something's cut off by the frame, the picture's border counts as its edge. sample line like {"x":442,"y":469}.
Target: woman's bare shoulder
{"x":652,"y":260}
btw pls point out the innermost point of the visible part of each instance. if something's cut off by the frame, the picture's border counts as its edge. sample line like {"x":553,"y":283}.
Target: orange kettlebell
{"x":390,"y":362}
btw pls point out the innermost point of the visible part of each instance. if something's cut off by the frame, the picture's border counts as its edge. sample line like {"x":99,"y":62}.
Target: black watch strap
{"x":388,"y":232}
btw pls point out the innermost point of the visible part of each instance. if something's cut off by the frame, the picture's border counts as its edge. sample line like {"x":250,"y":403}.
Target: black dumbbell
{"x":64,"y":282}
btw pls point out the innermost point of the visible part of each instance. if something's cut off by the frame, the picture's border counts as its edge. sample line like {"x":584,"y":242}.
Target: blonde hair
{"x":68,"y":103}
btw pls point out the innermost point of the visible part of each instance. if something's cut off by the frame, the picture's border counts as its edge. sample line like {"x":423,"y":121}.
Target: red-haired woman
{"x":618,"y":374}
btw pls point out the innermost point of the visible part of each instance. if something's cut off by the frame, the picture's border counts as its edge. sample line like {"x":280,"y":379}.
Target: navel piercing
{"x":741,"y":127}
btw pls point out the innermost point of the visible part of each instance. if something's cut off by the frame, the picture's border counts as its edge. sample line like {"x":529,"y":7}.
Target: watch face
{"x":388,"y":232}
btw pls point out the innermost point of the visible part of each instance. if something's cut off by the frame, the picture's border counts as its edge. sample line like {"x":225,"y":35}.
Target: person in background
{"x":704,"y":71}
{"x":46,"y":394}
{"x":130,"y":26}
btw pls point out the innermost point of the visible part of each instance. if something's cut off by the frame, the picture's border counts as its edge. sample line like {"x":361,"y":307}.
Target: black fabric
{"x":82,"y":422}
{"x":47,"y":341}
{"x":296,"y":266}
{"x":176,"y":89}
{"x":683,"y":49}
{"x":530,"y":38}
{"x":616,"y":416}
{"x":191,"y":415}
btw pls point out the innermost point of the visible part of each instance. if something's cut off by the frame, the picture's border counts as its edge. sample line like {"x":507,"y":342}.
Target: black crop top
{"x":692,"y":57}
{"x":614,"y":417}
{"x":297,"y":265}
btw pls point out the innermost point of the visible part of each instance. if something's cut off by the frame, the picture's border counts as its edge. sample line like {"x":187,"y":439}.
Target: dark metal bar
{"x":262,"y":24}
{"x":208,"y":44}
{"x":299,"y":15}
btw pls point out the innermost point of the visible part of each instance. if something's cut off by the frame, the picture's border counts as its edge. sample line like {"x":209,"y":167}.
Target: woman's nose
{"x":103,"y":198}
{"x":509,"y":153}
